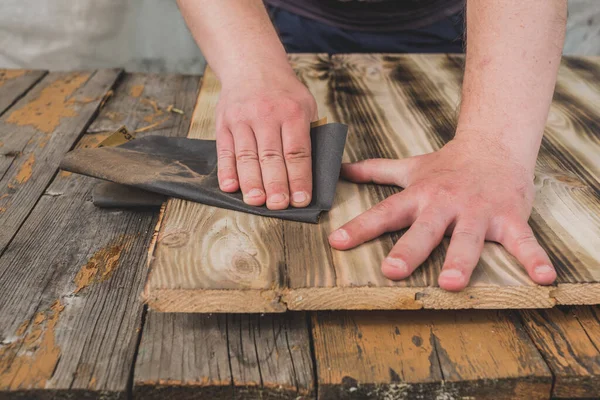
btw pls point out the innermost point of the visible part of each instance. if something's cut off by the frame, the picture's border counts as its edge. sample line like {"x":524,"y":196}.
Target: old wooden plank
{"x":39,"y":129}
{"x":224,"y":356}
{"x":567,"y":339}
{"x":488,"y":354}
{"x":382,"y":97}
{"x":375,"y":355}
{"x":235,"y":259}
{"x":405,"y":355}
{"x":70,"y":279}
{"x":14,"y":83}
{"x":566,"y":212}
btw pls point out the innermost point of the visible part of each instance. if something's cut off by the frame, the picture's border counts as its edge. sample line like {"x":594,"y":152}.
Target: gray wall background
{"x":151,"y":36}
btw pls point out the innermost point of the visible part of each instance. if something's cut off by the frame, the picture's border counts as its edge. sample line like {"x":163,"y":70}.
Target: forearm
{"x":513,"y":53}
{"x":235,"y":36}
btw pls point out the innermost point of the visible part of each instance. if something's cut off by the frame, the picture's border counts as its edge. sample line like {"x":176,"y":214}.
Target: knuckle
{"x":525,"y":239}
{"x":294,"y":110}
{"x":383,"y":209}
{"x":297,"y":154}
{"x":225,"y":155}
{"x":428,"y":227}
{"x":246,"y":155}
{"x":270,"y":156}
{"x":468,"y":234}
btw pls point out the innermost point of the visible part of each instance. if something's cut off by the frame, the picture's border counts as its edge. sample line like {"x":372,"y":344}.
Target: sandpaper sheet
{"x":187,"y":169}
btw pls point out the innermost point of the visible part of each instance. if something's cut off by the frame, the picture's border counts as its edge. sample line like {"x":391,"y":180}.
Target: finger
{"x":272,"y":165}
{"x":521,"y":243}
{"x":248,"y":168}
{"x":296,"y":151}
{"x":415,"y":245}
{"x":463,"y":254}
{"x":378,"y":170}
{"x":392,"y":214}
{"x":226,"y":171}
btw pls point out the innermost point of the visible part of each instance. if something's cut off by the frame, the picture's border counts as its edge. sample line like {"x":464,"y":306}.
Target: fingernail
{"x":229,"y":182}
{"x":299,"y":197}
{"x":277,"y":198}
{"x":340,"y":235}
{"x":543,"y":270}
{"x":254,"y":193}
{"x":451,"y":273}
{"x":397,"y":263}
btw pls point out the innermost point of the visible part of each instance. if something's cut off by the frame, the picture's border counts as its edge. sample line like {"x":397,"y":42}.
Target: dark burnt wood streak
{"x":396,"y":106}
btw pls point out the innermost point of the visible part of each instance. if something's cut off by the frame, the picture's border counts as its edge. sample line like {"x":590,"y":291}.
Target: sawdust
{"x":65,"y":174}
{"x":2,"y":209}
{"x":101,"y":265}
{"x":1,"y":144}
{"x":6,"y":75}
{"x":29,"y":361}
{"x":92,"y":384}
{"x":52,"y":105}
{"x":136,"y":91}
{"x":24,"y":173}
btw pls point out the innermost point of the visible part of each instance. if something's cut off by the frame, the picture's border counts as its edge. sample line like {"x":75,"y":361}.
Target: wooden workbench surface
{"x":72,"y":324}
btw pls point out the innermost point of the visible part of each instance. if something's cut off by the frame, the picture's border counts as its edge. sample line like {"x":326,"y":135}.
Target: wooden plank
{"x":70,"y":279}
{"x":234,"y":258}
{"x":375,"y":354}
{"x":566,"y":212}
{"x":39,"y":129}
{"x":567,"y":338}
{"x":14,"y":83}
{"x":219,"y":356}
{"x":381,"y":97}
{"x":405,"y":355}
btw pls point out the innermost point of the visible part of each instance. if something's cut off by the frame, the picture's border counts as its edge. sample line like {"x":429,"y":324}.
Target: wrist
{"x":514,"y":147}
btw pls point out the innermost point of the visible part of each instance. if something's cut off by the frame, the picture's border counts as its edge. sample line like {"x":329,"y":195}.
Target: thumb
{"x":378,"y":170}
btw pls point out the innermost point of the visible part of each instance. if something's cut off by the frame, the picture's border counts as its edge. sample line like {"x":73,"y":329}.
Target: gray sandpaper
{"x":187,"y":169}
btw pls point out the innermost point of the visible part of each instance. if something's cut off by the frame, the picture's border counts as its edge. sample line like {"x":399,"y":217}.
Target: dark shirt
{"x":373,"y":15}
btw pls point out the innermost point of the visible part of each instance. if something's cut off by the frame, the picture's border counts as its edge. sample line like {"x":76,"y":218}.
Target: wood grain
{"x":215,"y":249}
{"x":396,"y":106}
{"x":71,"y":277}
{"x":405,"y":355}
{"x":570,"y":350}
{"x":37,"y":131}
{"x":14,"y":83}
{"x":185,"y":356}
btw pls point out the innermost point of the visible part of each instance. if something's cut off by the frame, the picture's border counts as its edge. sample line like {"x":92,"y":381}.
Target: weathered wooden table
{"x":72,"y":324}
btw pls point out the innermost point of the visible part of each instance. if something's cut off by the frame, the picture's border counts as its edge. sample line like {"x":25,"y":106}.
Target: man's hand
{"x":263,"y":139}
{"x":468,"y":190}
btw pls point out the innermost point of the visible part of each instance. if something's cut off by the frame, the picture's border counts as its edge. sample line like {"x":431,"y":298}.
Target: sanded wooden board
{"x":213,"y":260}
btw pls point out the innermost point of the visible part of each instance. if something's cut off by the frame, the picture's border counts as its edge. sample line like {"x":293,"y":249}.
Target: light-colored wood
{"x":224,"y":356}
{"x":212,"y":248}
{"x":70,"y":279}
{"x":396,"y":106}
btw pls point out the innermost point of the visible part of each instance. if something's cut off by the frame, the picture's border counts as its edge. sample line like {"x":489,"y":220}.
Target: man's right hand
{"x":263,"y":138}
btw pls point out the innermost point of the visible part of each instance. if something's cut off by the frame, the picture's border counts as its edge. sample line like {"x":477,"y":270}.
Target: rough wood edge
{"x":367,"y":298}
{"x":214,"y":301}
{"x":577,"y":293}
{"x":352,"y":298}
{"x":488,"y":297}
